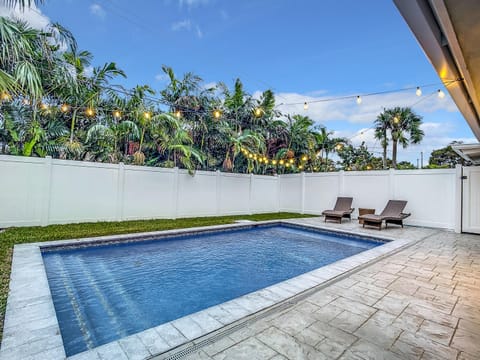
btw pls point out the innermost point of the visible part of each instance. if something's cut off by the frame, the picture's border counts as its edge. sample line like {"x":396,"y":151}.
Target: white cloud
{"x":348,"y":110}
{"x":187,"y":25}
{"x":224,"y":15}
{"x":210,"y":85}
{"x":162,"y":77}
{"x":192,"y":3}
{"x":181,"y":25}
{"x":199,"y":32}
{"x":88,"y":71}
{"x":360,"y":117}
{"x":98,"y":11}
{"x":32,"y":16}
{"x":437,"y":135}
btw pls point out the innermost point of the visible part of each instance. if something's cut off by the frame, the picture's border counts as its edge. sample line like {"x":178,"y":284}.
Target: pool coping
{"x":31,"y":328}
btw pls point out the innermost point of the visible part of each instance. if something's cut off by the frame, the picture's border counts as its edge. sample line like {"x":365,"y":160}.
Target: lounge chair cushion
{"x":335,"y":213}
{"x":372,"y":218}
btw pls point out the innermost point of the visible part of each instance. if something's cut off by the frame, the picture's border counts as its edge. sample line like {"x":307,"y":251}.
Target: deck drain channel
{"x":286,"y":304}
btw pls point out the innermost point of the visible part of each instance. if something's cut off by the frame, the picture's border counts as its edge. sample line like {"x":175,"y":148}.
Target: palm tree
{"x":382,"y":124}
{"x":404,"y":125}
{"x":173,"y":140}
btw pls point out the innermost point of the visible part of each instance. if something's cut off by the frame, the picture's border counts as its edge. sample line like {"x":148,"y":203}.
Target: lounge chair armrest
{"x":405,"y":215}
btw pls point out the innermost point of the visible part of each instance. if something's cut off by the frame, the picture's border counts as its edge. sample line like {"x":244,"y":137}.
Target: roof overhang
{"x":470,"y":152}
{"x":449,"y":33}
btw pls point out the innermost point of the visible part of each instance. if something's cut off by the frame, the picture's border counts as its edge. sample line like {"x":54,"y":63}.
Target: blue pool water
{"x":103,"y":293}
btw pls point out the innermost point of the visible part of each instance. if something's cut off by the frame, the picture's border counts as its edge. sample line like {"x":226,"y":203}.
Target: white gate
{"x":471,"y":200}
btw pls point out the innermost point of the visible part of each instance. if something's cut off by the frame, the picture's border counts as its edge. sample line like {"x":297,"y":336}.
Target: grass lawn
{"x":13,"y":236}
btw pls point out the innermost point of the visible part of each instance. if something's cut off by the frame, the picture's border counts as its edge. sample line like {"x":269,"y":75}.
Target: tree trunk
{"x":394,"y":154}
{"x":384,"y":145}
{"x":72,"y":125}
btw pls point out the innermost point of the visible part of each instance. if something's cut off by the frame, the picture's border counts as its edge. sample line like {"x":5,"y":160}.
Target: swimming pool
{"x":103,"y":293}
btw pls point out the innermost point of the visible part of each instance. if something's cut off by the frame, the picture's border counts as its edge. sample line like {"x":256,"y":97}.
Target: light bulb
{"x":339,"y":146}
{"x":64,"y":108}
{"x":305,"y":106}
{"x":359,"y":100}
{"x":117,"y":114}
{"x":217,"y":113}
{"x":147,"y":115}
{"x":441,"y":94}
{"x":274,"y":162}
{"x":281,"y":162}
{"x":419,"y":91}
{"x":304,"y":158}
{"x":178,"y":114}
{"x":396,"y":119}
{"x":258,"y":112}
{"x":90,"y":112}
{"x":43,"y":106}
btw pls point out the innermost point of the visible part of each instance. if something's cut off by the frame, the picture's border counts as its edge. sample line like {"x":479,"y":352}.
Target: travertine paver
{"x":420,"y":303}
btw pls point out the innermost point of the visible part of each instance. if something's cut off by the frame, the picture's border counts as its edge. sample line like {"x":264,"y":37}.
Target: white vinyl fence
{"x":42,"y":191}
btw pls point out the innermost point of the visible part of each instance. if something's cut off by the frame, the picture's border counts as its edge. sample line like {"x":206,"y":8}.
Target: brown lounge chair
{"x":343,"y":209}
{"x":392,"y":214}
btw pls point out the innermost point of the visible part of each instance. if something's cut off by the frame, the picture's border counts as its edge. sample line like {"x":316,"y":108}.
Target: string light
{"x":304,"y":158}
{"x":258,"y":112}
{"x":147,"y":115}
{"x":281,"y":162}
{"x":441,"y":94}
{"x":26,"y":102}
{"x":339,"y":146}
{"x":217,"y":113}
{"x":359,"y":99}
{"x":6,"y":96}
{"x":64,"y":108}
{"x":90,"y":112}
{"x":418,"y":92}
{"x":291,"y":161}
{"x":396,"y":119}
{"x":117,"y":114}
{"x":178,"y":114}
{"x":44,"y":106}
{"x":305,"y":106}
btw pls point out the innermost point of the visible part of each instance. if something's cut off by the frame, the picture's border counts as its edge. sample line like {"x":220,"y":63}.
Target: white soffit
{"x":448,"y":32}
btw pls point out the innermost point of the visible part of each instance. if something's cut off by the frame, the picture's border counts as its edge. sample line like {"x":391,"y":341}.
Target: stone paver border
{"x":31,"y":327}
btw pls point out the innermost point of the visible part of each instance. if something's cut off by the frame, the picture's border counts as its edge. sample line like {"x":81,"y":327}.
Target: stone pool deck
{"x":421,"y":303}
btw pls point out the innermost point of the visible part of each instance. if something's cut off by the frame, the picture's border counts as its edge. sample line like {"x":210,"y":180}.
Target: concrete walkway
{"x":420,"y":303}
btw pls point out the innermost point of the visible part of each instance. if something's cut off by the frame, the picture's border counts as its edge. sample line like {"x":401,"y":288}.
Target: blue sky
{"x":304,"y":50}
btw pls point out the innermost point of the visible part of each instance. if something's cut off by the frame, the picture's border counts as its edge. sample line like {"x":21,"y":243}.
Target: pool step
{"x":135,"y":312}
{"x":82,"y":320}
{"x":103,"y":300}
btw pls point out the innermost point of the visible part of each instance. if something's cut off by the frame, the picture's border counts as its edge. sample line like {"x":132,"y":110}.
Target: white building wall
{"x":37,"y":191}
